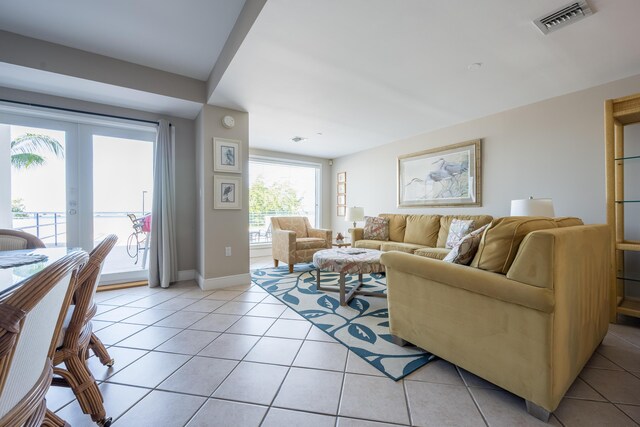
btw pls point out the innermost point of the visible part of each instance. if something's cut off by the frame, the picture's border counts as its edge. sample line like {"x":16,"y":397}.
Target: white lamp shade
{"x":532,"y":207}
{"x":355,"y":214}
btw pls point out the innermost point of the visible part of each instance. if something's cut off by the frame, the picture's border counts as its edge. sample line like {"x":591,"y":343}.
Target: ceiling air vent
{"x":298,"y":139}
{"x":564,"y":16}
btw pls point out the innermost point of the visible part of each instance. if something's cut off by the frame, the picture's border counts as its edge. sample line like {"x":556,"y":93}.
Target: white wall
{"x":553,"y":148}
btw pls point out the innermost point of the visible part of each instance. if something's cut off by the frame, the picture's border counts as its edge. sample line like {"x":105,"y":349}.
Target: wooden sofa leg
{"x":538,"y":411}
{"x":398,"y":341}
{"x":275,"y":263}
{"x":290,"y":268}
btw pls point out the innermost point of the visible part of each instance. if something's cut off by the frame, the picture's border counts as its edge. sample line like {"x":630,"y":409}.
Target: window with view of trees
{"x":280,"y":189}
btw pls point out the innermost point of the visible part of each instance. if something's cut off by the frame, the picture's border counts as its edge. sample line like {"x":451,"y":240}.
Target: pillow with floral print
{"x":376,"y":228}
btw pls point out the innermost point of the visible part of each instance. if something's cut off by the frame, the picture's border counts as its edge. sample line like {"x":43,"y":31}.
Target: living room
{"x":363,"y":85}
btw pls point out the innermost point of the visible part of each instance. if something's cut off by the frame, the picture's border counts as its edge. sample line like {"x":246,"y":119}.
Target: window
{"x":281,"y":188}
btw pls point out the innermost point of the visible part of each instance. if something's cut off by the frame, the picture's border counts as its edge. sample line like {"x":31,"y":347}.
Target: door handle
{"x":72,"y":212}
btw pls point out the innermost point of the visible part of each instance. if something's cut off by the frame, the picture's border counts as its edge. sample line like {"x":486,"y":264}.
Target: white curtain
{"x":163,"y":265}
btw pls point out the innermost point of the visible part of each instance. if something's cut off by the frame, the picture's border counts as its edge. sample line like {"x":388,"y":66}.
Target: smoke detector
{"x":298,"y":139}
{"x":564,"y":16}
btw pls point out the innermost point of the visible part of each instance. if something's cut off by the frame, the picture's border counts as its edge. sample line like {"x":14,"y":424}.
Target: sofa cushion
{"x":399,"y":246}
{"x":445,"y":223}
{"x":500,"y":242}
{"x":568,"y":221}
{"x":435,"y":253}
{"x":310,"y":243}
{"x":422,"y":229}
{"x":376,"y":228}
{"x":368,"y":244}
{"x":458,"y":229}
{"x":464,"y":251}
{"x":397,"y":226}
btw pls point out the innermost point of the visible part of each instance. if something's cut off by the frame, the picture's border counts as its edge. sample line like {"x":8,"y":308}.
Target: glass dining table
{"x":12,"y":276}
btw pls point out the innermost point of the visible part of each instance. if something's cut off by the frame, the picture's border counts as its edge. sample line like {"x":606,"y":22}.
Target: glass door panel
{"x":39,"y":182}
{"x":122,"y":185}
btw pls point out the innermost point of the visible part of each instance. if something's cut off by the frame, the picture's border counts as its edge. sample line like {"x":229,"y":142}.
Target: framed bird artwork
{"x":226,"y":155}
{"x":446,"y":176}
{"x":227,"y":192}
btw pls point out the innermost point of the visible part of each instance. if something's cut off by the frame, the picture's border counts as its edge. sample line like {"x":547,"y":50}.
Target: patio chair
{"x":11,"y":240}
{"x":74,"y":341}
{"x":138,"y":240}
{"x":30,"y":322}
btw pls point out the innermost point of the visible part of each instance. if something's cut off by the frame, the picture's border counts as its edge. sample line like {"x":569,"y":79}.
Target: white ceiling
{"x":182,"y":37}
{"x":360,"y":72}
{"x":369,"y":72}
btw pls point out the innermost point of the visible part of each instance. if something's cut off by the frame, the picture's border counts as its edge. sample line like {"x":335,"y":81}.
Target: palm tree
{"x":25,"y":147}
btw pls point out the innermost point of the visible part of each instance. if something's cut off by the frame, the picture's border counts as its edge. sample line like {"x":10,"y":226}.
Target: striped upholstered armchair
{"x":294,"y":240}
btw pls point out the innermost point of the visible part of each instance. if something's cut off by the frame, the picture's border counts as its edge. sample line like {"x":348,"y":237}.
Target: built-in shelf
{"x":619,"y":113}
{"x":627,"y":158}
{"x":628,"y":278}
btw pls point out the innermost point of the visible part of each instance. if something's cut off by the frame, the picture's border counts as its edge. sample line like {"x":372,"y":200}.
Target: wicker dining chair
{"x":30,"y":321}
{"x":11,"y":240}
{"x":73,"y":343}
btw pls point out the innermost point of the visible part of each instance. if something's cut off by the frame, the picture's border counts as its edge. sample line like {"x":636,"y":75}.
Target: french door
{"x":92,"y":179}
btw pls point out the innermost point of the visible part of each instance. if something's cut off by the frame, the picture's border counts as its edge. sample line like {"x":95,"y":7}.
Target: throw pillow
{"x":457,"y":230}
{"x":466,"y":248}
{"x":376,"y":228}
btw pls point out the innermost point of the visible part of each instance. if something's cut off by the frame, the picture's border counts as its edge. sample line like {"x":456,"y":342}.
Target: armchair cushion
{"x":310,"y":243}
{"x":435,"y":253}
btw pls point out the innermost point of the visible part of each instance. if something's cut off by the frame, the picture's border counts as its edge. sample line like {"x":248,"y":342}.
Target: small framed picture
{"x":342,"y":210}
{"x":342,"y":177}
{"x":342,"y":188}
{"x":342,"y":199}
{"x":226,"y":155}
{"x":227,"y":192}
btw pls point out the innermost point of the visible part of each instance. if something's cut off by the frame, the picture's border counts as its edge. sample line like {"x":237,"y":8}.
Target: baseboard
{"x":223,"y":282}
{"x":186,"y":275}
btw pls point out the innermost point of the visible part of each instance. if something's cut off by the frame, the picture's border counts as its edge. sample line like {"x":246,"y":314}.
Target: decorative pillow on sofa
{"x":466,"y":249}
{"x":376,"y":228}
{"x":457,"y":230}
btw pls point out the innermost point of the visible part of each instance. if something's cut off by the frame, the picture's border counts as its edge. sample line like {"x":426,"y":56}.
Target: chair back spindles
{"x":32,"y":317}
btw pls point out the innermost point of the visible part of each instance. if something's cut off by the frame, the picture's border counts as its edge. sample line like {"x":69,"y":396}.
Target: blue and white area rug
{"x":362,"y":326}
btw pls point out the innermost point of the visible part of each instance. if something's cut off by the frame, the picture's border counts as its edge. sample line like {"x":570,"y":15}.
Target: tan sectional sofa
{"x":526,"y":315}
{"x":423,"y":235}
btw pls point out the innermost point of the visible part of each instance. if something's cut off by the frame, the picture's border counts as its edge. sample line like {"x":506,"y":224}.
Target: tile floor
{"x":238,"y":357}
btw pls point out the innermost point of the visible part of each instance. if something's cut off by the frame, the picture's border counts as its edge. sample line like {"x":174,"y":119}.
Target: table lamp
{"x":355,"y":214}
{"x":532,"y":207}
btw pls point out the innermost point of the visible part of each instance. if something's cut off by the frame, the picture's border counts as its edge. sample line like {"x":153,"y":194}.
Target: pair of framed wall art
{"x":227,"y":189}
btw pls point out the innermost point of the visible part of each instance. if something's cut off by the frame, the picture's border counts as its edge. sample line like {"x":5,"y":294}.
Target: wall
{"x":185,"y":158}
{"x":325,"y":183}
{"x":219,"y":228}
{"x":553,"y":148}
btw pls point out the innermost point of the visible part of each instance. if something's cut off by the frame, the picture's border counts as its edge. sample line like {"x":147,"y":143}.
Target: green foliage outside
{"x":18,"y":208}
{"x":269,"y":200}
{"x":25,"y":148}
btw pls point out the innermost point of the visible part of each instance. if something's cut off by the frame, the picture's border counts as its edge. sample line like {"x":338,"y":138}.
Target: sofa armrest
{"x":356,"y":234}
{"x":474,"y":280}
{"x":321,"y":233}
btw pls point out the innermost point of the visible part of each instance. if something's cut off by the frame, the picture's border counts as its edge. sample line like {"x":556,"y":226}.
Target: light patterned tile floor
{"x":186,"y":357}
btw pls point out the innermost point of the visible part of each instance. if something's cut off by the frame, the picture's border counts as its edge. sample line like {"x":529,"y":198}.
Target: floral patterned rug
{"x":362,"y":326}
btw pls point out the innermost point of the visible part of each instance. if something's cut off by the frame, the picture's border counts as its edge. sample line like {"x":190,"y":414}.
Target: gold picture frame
{"x":447,"y":176}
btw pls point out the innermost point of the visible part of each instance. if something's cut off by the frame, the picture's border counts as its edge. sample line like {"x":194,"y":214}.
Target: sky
{"x":122,"y":170}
